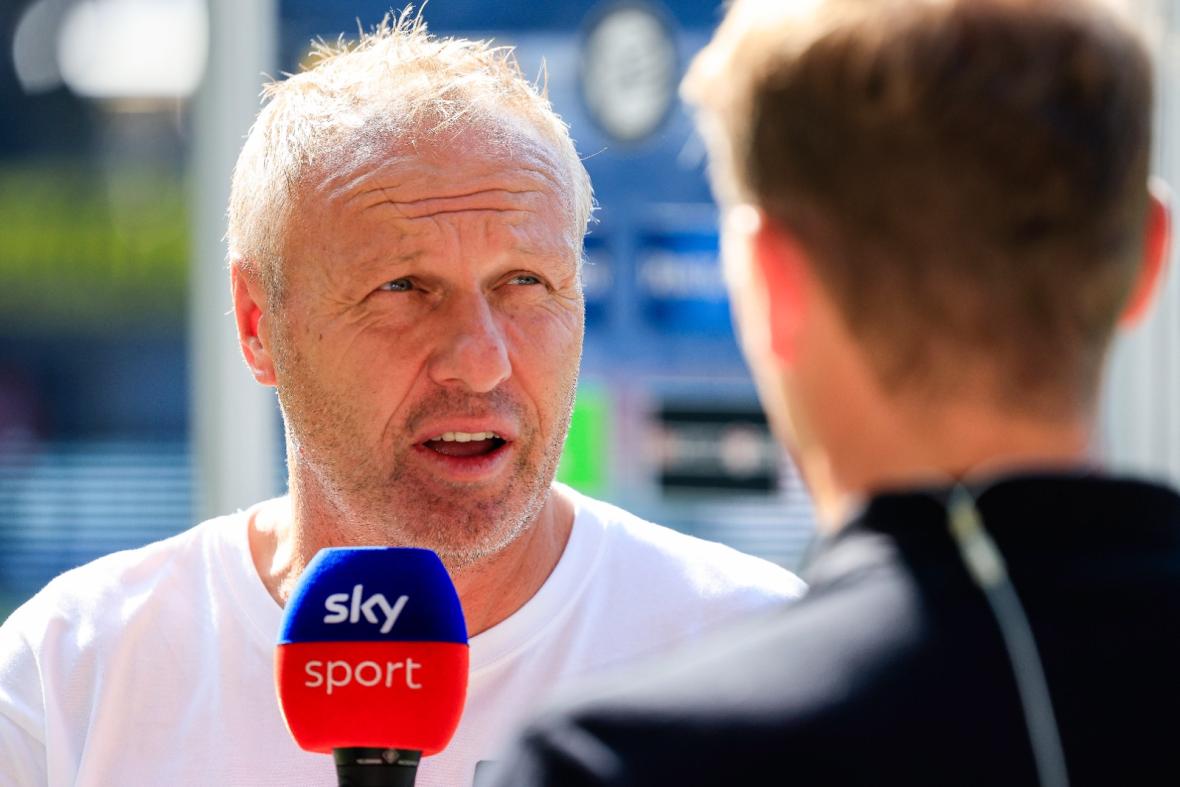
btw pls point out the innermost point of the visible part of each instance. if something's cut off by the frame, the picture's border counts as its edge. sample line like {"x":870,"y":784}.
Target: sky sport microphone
{"x":372,"y":662}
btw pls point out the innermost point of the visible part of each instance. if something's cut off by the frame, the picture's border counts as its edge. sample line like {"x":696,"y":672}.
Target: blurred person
{"x":405,"y":242}
{"x":936,"y":214}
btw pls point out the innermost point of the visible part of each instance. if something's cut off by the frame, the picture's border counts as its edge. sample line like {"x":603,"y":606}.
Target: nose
{"x":472,"y":351}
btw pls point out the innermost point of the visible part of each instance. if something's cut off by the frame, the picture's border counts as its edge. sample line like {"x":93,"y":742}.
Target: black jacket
{"x":892,"y":670}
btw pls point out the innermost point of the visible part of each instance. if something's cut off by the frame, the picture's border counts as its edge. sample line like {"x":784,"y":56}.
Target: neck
{"x":286,"y":533}
{"x":908,"y":446}
{"x":494,"y":587}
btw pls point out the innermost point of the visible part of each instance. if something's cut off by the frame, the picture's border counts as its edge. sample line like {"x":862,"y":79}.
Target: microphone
{"x":372,"y":662}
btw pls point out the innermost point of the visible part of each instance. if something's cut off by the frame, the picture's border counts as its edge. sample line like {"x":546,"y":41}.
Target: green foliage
{"x":587,"y":448}
{"x":88,"y":249}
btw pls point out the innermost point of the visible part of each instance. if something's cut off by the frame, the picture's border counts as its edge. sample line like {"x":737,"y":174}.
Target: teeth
{"x":464,"y":437}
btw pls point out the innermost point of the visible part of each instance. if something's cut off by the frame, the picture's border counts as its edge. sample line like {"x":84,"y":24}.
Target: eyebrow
{"x":555,"y":253}
{"x":382,"y":261}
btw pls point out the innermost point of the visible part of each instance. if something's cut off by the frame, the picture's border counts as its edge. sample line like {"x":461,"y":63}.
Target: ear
{"x":250,"y":316}
{"x":782,"y":267}
{"x":1156,"y":246}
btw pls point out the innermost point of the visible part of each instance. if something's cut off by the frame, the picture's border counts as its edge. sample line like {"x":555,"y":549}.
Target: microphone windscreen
{"x":373,"y":652}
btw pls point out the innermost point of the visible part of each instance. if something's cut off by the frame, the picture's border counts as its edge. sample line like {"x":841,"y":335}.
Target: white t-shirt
{"x":154,"y":666}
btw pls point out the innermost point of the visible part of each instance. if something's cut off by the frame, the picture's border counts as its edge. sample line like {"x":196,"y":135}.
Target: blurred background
{"x":125,"y":412}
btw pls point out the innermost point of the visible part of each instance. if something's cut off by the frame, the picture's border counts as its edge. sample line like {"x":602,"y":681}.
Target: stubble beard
{"x":355,"y":500}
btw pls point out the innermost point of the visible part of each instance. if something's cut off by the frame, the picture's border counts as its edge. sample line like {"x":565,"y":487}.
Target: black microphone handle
{"x":359,"y":766}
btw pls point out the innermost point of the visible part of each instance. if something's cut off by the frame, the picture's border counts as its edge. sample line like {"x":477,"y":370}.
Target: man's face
{"x":428,"y":341}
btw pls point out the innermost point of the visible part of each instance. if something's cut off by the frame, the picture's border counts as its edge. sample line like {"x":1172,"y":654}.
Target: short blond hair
{"x":396,"y":82}
{"x":969,"y":176}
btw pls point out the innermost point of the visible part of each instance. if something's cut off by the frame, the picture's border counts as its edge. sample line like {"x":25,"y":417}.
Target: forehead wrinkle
{"x":421,"y":236}
{"x":384,"y":190}
{"x":512,"y":176}
{"x":494,"y":200}
{"x":520,"y":164}
{"x":348,"y":182}
{"x":518,"y":182}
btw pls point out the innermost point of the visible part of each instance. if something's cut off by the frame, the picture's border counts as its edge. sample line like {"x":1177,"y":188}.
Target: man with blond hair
{"x":936,"y":214}
{"x":405,"y":240}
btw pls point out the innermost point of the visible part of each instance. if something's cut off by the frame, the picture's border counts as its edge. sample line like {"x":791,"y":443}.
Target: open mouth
{"x":465,"y":444}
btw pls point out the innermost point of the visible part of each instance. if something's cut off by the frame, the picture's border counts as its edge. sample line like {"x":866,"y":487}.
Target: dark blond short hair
{"x":969,"y":176}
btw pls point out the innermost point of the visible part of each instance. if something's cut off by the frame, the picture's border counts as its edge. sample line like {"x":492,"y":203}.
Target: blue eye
{"x":524,"y":279}
{"x":397,"y":285}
